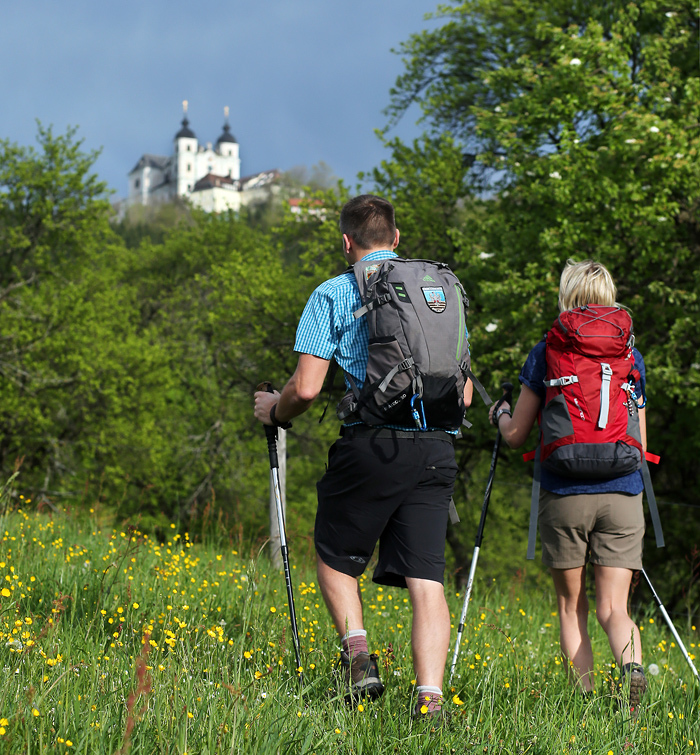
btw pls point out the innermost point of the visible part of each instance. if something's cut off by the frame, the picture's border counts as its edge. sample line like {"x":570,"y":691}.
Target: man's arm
{"x":468,"y":393}
{"x":299,"y":393}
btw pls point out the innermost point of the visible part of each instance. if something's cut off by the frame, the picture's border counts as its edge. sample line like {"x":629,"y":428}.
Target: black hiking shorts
{"x":390,"y":487}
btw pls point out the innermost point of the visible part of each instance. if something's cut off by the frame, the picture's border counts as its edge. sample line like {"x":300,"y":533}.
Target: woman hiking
{"x":588,"y":519}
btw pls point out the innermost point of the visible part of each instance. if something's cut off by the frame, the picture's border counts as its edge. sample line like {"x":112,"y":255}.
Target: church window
{"x":137,"y":183}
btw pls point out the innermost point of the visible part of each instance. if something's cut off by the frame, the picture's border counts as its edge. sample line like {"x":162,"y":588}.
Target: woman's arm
{"x":516,"y":429}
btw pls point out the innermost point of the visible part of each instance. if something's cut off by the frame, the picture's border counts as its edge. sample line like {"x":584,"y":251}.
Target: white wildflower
{"x":491,"y":327}
{"x":555,"y":174}
{"x":630,"y":141}
{"x":485,"y":255}
{"x":653,"y":669}
{"x":497,"y":109}
{"x":654,"y":130}
{"x":574,"y":62}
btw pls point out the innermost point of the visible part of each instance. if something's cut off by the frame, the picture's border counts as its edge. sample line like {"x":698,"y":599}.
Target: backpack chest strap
{"x":383,"y":299}
{"x":557,"y":382}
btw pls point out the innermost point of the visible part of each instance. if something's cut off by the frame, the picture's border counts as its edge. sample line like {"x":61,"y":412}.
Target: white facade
{"x":208,"y":175}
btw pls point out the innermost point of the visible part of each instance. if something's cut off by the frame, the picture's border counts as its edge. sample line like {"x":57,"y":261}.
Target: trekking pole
{"x":671,"y":627}
{"x":271,"y":435}
{"x":507,"y":396}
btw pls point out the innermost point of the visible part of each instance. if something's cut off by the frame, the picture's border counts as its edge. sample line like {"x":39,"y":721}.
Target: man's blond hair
{"x":586,"y":282}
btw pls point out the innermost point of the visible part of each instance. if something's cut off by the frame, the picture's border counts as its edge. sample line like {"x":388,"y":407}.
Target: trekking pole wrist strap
{"x":498,"y":411}
{"x":276,"y":422}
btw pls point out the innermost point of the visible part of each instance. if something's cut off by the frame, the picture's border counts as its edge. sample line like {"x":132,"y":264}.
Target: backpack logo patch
{"x":428,"y":279}
{"x":435,"y":298}
{"x":370,"y":270}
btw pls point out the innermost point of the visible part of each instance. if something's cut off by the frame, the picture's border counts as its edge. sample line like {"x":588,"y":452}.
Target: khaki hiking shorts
{"x":605,"y":529}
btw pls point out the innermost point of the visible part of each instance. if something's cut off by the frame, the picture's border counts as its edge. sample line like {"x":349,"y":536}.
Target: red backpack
{"x":590,"y":423}
{"x":589,"y":427}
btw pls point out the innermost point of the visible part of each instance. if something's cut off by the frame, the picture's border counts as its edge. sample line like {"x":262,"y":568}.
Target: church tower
{"x":227,"y":147}
{"x":185,"y":156}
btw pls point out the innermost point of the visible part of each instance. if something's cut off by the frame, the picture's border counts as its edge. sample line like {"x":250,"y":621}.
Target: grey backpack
{"x":418,"y":352}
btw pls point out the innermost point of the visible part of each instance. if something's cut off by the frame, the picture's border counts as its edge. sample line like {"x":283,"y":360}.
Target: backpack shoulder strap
{"x":534,"y":505}
{"x":479,"y":387}
{"x":651,"y":500}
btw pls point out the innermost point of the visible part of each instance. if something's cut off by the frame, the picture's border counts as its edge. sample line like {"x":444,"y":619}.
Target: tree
{"x":53,"y":230}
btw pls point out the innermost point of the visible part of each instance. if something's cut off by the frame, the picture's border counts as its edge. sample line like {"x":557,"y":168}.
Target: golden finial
{"x":184,"y":107}
{"x":226,"y":112}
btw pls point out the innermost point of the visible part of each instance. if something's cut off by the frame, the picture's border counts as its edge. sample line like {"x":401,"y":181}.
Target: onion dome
{"x":227,"y":136}
{"x":185,"y":132}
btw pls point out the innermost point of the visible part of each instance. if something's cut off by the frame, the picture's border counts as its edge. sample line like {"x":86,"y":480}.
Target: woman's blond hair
{"x":586,"y":282}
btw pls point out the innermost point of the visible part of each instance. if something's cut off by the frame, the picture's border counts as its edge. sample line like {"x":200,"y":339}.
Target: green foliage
{"x":56,"y":304}
{"x":128,"y":371}
{"x":151,"y":222}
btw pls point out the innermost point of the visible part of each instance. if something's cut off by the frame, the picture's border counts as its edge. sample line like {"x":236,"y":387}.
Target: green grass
{"x":112,"y":642}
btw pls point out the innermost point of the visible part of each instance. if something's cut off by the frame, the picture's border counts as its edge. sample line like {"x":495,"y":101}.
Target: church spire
{"x":185,"y":132}
{"x":227,"y":136}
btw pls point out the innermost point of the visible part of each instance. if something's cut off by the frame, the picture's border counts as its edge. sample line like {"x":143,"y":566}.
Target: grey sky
{"x":305,"y":80}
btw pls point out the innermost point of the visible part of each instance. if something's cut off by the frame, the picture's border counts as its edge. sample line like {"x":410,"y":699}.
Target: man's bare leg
{"x":430,"y":634}
{"x":341,"y":594}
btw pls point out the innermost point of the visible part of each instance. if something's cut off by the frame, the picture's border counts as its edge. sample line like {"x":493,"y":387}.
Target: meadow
{"x":113,"y":641}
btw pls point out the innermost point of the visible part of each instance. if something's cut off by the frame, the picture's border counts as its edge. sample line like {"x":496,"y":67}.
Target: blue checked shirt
{"x":329,"y":330}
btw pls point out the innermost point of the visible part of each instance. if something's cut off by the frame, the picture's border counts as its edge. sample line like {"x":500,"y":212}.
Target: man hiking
{"x":384,"y":483}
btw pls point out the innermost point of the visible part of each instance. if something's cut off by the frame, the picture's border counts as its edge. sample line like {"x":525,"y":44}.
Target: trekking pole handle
{"x":506,"y":395}
{"x":270,"y":430}
{"x":507,"y":389}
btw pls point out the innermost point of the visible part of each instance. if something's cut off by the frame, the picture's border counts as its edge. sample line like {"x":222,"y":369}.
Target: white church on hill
{"x":208,"y":175}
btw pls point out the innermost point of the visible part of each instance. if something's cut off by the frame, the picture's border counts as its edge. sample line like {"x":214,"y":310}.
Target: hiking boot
{"x":637,"y":685}
{"x":361,"y":677}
